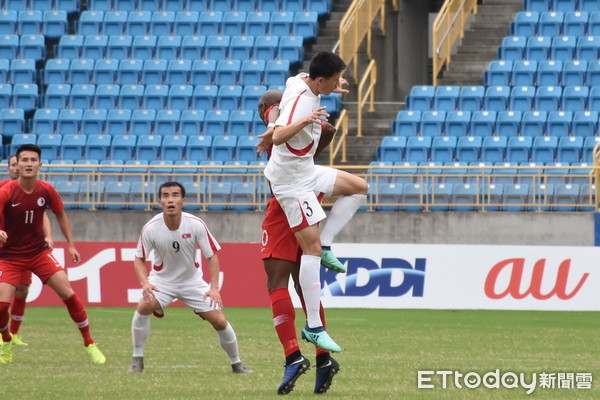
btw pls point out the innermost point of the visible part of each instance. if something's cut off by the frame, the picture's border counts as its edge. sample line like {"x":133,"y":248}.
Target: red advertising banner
{"x":105,"y":276}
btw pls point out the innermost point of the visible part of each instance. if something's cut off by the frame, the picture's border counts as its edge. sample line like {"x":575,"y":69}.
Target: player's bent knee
{"x":22,"y":291}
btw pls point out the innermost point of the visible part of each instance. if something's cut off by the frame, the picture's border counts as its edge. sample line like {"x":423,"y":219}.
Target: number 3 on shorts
{"x":312,"y":210}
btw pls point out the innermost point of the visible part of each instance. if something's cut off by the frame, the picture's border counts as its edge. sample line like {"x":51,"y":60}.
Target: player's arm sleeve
{"x":208,"y":244}
{"x":56,"y":203}
{"x":144,"y":246}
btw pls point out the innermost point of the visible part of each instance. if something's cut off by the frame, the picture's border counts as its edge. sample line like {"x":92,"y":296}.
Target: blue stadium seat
{"x":168,"y":47}
{"x":203,"y":72}
{"x":218,"y":195}
{"x":105,"y":71}
{"x":180,"y":97}
{"x":25,"y":96}
{"x":549,"y":73}
{"x":496,"y":98}
{"x":587,"y":197}
{"x":178,"y":72}
{"x":593,"y":73}
{"x":8,"y":22}
{"x":240,"y":123}
{"x":525,"y":23}
{"x":464,"y":197}
{"x":186,"y":22}
{"x":588,"y":48}
{"x":413,"y":197}
{"x":534,"y":123}
{"x":56,"y":71}
{"x":574,"y":98}
{"x":530,"y":173}
{"x":94,"y":122}
{"x":100,"y":5}
{"x":54,"y":23}
{"x":517,"y":195}
{"x":420,"y":98}
{"x":138,"y":23}
{"x":590,"y":6}
{"x":233,"y":23}
{"x":117,"y":122}
{"x":227,"y":72}
{"x":468,"y":148}
{"x":446,"y":98}
{"x":167,"y":124}
{"x":569,"y":149}
{"x":32,"y":46}
{"x":191,"y":123}
{"x":246,"y":149}
{"x":265,"y":47}
{"x":19,"y":139}
{"x":380,"y":172}
{"x":69,"y":121}
{"x":12,"y":121}
{"x":405,"y":172}
{"x":143,"y":47}
{"x":291,"y":49}
{"x":407,"y":123}
{"x":521,"y":98}
{"x":556,"y":173}
{"x":215,"y":122}
{"x":524,"y":73}
{"x":508,"y":123}
{"x":440,"y":196}
{"x":204,"y":97}
{"x":161,"y":171}
{"x":471,"y":98}
{"x":538,"y":48}
{"x":548,"y":98}
{"x":234,"y":171}
{"x":80,"y":71}
{"x":229,"y":97}
{"x":544,"y":149}
{"x":217,"y":47}
{"x":73,"y":147}
{"x":209,"y":23}
{"x":585,"y":123}
{"x":82,"y":96}
{"x":198,"y":148}
{"x":567,"y":195}
{"x":9,"y":47}
{"x":505,"y":173}
{"x":148,"y":147}
{"x":115,"y":23}
{"x":22,"y":71}
{"x":574,"y":73}
{"x":94,"y":47}
{"x":28,"y":23}
{"x":244,"y":5}
{"x":44,"y":120}
{"x":322,"y":7}
{"x":418,"y":148}
{"x":116,"y":195}
{"x":559,"y":123}
{"x":97,"y":147}
{"x":223,"y":148}
{"x":241,"y":47}
{"x":281,"y":23}
{"x":392,"y":149}
{"x":581,"y":173}
{"x":268,"y":5}
{"x":141,"y":193}
{"x":155,"y":97}
{"x":551,"y":23}
{"x":498,"y":73}
{"x":5,"y":95}
{"x":57,"y":96}
{"x":565,"y":6}
{"x":161,"y":23}
{"x":512,"y":48}
{"x":276,"y":72}
{"x":250,"y":97}
{"x":142,"y":122}
{"x":576,"y":23}
{"x":242,"y":196}
{"x":493,"y":148}
{"x":119,"y":47}
{"x":129,"y":72}
{"x":153,"y":72}
{"x":594,"y":22}
{"x":519,"y":149}
{"x":306,"y":24}
{"x":69,"y":192}
{"x":130,"y":97}
{"x":432,"y":123}
{"x":388,"y":196}
{"x":483,"y":123}
{"x":50,"y":145}
{"x":442,"y":148}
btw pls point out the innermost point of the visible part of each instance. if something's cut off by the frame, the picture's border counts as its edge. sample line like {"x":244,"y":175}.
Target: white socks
{"x":310,"y":281}
{"x":140,"y":329}
{"x":229,"y":343}
{"x":342,"y":211}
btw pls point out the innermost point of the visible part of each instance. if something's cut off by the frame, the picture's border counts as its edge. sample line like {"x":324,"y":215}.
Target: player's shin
{"x":140,"y":330}
{"x":228,"y":341}
{"x":341,"y":213}
{"x":310,"y":281}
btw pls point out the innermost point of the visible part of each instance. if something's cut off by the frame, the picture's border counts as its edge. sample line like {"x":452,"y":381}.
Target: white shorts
{"x":300,"y":201}
{"x":192,"y":294}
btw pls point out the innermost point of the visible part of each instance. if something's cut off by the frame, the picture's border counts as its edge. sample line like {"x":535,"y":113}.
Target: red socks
{"x":79,"y":316}
{"x":17,"y":311}
{"x":4,"y":317}
{"x":322,"y":315}
{"x":283,"y":318}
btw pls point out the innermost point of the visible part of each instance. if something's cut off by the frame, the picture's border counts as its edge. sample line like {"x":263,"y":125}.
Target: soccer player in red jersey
{"x":17,"y":310}
{"x":22,"y":206}
{"x":281,"y":257}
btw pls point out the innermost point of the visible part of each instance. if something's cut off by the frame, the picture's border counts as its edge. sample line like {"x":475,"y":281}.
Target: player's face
{"x":327,"y":85}
{"x":171,"y":200}
{"x":29,"y":164}
{"x":13,"y":168}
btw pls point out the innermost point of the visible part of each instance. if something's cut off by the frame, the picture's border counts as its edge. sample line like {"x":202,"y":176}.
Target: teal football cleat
{"x":320,"y":338}
{"x":329,"y":261}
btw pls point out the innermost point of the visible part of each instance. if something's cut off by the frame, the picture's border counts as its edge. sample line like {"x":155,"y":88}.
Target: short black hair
{"x":29,"y":147}
{"x":171,"y":184}
{"x":325,"y":64}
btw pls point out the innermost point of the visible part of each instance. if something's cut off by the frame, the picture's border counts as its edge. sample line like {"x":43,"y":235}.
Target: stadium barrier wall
{"x":378,"y":276}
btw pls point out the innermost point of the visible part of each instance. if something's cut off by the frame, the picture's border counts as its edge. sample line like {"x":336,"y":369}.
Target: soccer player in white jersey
{"x":295,"y":180}
{"x":176,"y":274}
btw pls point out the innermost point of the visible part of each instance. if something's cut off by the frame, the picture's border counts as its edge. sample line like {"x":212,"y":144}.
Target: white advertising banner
{"x":464,"y":277}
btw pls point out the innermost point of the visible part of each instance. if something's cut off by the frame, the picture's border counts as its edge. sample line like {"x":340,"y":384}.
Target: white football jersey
{"x":176,"y":259}
{"x":293,"y":161}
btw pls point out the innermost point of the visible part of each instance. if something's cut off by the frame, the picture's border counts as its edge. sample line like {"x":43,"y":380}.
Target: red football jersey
{"x":22,"y":216}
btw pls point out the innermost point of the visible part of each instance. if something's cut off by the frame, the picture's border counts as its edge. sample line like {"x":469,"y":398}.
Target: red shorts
{"x":44,"y":265}
{"x":278,"y":241}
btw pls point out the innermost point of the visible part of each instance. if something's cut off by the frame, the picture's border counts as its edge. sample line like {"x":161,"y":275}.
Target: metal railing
{"x":339,"y":140}
{"x":92,"y":189}
{"x":447,"y":28}
{"x":369,"y":80}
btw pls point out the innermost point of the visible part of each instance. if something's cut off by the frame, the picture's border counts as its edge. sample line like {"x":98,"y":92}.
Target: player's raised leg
{"x":7,"y":291}
{"x":17,"y":311}
{"x":60,"y":284}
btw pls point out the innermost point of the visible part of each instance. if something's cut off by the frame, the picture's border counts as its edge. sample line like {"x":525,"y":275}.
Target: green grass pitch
{"x":383,"y":350}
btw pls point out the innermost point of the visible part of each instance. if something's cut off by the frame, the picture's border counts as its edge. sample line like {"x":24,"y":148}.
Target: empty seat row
{"x":70,"y":6}
{"x":146,"y":122}
{"x":190,"y":23}
{"x":25,"y":46}
{"x":540,"y":48}
{"x":322,"y":7}
{"x":429,"y":172}
{"x":180,"y":47}
{"x":578,"y":23}
{"x":491,"y":148}
{"x":17,"y":71}
{"x":52,"y":24}
{"x":501,"y":98}
{"x":490,"y":197}
{"x":543,"y":73}
{"x":489,"y":123}
{"x":144,"y":147}
{"x":561,"y":5}
{"x":173,"y":72}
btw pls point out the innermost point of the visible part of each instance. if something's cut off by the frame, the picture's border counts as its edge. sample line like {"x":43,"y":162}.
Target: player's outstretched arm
{"x":142,"y":274}
{"x":65,"y":228}
{"x":213,"y":270}
{"x":284,"y":133}
{"x":48,"y":232}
